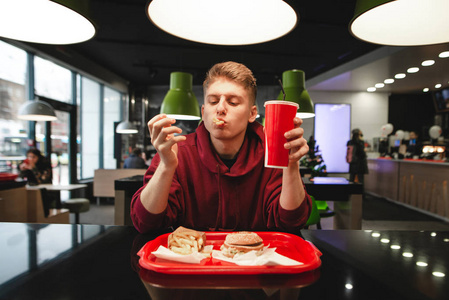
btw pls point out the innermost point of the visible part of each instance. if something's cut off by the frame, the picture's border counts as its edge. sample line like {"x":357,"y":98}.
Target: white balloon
{"x":435,"y":131}
{"x":407,"y":135}
{"x":387,"y":129}
{"x":399,"y":135}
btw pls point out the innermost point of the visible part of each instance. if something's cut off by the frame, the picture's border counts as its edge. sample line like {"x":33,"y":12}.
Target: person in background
{"x":36,"y":168}
{"x":214,"y":178}
{"x":414,"y":147}
{"x":358,"y":165}
{"x":135,"y":160}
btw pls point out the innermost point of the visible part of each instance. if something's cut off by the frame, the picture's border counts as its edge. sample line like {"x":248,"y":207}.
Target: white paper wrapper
{"x":269,"y":257}
{"x":194,"y":258}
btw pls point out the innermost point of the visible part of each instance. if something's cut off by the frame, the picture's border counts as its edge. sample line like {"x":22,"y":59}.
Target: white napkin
{"x":194,"y":258}
{"x":269,"y":257}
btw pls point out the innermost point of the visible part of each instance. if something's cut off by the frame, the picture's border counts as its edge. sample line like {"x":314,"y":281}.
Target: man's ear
{"x":253,"y":114}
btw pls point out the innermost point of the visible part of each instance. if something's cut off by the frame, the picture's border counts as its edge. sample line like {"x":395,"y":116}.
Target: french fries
{"x":186,"y":241}
{"x":218,"y":122}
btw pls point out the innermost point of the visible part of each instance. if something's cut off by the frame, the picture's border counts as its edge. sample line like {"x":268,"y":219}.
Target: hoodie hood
{"x":250,"y":155}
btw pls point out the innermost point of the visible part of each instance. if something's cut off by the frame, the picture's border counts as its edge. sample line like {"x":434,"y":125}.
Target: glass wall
{"x":90,"y":127}
{"x":52,"y":81}
{"x":111,"y":113}
{"x":98,"y":107}
{"x":13,"y":137}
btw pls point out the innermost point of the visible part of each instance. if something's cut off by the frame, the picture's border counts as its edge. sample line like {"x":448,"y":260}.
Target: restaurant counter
{"x":68,"y":261}
{"x":417,"y":184}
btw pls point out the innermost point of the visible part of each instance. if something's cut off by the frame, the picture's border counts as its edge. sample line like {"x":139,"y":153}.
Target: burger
{"x":241,"y":242}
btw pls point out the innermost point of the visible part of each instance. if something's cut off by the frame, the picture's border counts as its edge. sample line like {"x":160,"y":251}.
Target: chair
{"x":323,"y":209}
{"x":77,"y":206}
{"x":314,"y":218}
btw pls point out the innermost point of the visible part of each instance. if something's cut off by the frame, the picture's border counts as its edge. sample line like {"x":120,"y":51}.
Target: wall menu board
{"x":332,"y":132}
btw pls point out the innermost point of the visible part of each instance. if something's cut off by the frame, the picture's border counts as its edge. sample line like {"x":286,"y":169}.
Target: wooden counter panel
{"x":419,"y":185}
{"x":382,"y":178}
{"x":424,"y":186}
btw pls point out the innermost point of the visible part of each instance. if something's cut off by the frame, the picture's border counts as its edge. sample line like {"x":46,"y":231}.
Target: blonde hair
{"x":236,"y":72}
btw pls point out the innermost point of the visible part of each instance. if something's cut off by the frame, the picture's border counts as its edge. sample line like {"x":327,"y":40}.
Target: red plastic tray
{"x":7,"y":176}
{"x":286,"y":244}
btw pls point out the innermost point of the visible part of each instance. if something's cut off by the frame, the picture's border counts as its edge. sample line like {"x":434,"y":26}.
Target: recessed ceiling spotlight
{"x":444,"y":54}
{"x":438,"y":85}
{"x":427,"y":63}
{"x":421,"y":264}
{"x":412,"y":70}
{"x":438,"y":274}
{"x":389,"y":81}
{"x":400,"y":75}
{"x":379,"y":85}
{"x":425,"y":90}
{"x":371,"y":89}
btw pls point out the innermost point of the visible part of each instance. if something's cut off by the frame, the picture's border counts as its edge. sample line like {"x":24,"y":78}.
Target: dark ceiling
{"x":130,"y":45}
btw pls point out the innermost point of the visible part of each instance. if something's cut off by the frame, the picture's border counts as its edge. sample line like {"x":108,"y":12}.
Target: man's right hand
{"x":163,"y":138}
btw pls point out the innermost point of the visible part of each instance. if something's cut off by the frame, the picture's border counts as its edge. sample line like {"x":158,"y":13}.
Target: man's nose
{"x":221,"y":107}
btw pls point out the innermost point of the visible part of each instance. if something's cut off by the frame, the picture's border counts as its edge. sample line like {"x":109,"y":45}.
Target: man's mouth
{"x":218,"y":122}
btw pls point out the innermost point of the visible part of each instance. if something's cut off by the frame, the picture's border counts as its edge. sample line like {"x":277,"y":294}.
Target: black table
{"x":347,"y":198}
{"x":40,"y":261}
{"x":125,"y":188}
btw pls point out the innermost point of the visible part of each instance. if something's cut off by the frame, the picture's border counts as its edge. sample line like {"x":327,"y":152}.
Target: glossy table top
{"x":332,"y":188}
{"x":100,"y":262}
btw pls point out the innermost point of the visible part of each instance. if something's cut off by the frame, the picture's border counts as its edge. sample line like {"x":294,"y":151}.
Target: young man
{"x":214,"y":178}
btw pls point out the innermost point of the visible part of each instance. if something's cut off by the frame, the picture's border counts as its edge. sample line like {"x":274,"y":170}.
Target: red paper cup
{"x":279,"y":117}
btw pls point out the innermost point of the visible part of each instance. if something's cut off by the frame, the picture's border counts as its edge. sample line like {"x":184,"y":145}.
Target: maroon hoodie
{"x":206,"y":195}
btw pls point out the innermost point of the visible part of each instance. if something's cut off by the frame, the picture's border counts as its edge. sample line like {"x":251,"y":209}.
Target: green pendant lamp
{"x":180,"y":103}
{"x":400,"y":22}
{"x":294,"y":84}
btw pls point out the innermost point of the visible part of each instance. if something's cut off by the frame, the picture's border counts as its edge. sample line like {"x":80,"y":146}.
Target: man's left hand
{"x":295,"y":142}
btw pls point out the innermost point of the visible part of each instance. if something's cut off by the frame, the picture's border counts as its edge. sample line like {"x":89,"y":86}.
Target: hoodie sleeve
{"x":144,"y":220}
{"x":278,"y":217}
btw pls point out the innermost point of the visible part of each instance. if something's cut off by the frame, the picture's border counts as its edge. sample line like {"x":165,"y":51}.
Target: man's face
{"x":227,"y":110}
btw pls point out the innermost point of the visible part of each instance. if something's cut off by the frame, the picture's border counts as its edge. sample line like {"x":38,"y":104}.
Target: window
{"x":90,"y":127}
{"x":13,"y":137}
{"x":98,"y":107}
{"x":111,"y":113}
{"x":52,"y":81}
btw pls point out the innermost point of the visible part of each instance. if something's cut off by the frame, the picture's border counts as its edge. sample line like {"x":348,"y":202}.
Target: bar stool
{"x":77,"y":206}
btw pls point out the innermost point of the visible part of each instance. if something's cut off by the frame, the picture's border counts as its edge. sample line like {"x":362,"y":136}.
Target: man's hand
{"x":163,"y":138}
{"x":295,"y":142}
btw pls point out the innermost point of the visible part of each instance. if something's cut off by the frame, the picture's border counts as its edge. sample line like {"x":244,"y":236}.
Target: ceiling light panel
{"x":43,"y":21}
{"x":231,"y":22}
{"x":392,"y":22}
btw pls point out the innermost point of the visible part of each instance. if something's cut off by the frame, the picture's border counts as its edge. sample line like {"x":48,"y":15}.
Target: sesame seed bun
{"x":241,"y":242}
